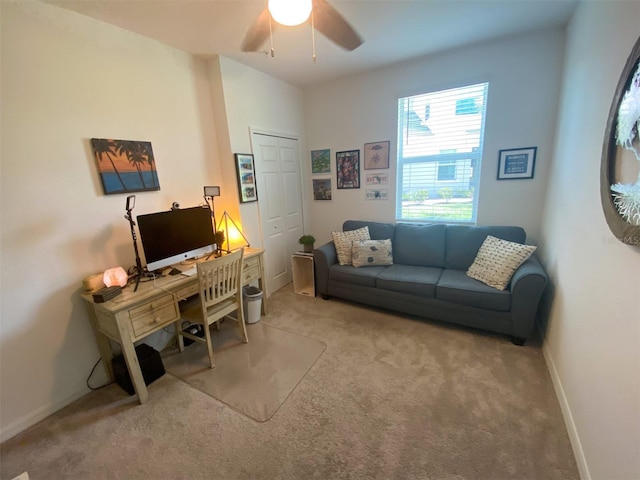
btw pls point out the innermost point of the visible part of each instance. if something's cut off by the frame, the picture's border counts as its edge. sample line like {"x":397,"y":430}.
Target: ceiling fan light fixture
{"x":290,"y":12}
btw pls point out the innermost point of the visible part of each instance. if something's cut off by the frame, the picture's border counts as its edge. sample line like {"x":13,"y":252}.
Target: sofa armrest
{"x":527,"y":285}
{"x":324,"y":257}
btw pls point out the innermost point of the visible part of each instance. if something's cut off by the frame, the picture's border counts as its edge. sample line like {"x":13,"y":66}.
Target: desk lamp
{"x":226,"y":218}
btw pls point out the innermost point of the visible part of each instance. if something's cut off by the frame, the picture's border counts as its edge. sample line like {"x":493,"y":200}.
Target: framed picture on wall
{"x":376,"y":178}
{"x":348,"y":169}
{"x":518,"y":163}
{"x":322,"y":189}
{"x":246,"y":177}
{"x":377,"y":194}
{"x":321,"y":161}
{"x":376,"y":155}
{"x":125,"y":166}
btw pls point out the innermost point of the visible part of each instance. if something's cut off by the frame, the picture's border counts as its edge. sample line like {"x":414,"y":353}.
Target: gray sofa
{"x":428,"y":277}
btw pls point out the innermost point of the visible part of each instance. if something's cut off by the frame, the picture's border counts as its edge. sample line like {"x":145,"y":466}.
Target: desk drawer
{"x":250,"y":269}
{"x":153,"y":315}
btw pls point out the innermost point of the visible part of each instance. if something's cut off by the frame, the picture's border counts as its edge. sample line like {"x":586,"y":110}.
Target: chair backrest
{"x":220,"y":278}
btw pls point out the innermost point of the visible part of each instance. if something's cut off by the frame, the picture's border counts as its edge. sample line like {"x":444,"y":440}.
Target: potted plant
{"x":307,"y":242}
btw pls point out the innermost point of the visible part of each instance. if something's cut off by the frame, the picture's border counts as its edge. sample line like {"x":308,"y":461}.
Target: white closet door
{"x":280,"y":204}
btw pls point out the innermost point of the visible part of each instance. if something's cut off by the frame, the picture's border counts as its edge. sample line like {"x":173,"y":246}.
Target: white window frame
{"x":474,"y":157}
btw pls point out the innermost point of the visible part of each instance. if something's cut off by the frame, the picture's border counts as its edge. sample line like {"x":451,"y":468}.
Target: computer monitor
{"x":176,"y":236}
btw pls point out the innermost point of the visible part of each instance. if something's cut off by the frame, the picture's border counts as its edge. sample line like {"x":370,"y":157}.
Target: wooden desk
{"x":132,"y":316}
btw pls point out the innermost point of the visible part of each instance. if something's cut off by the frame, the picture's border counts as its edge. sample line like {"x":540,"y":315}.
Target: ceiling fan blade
{"x":331,"y":24}
{"x":258,"y":33}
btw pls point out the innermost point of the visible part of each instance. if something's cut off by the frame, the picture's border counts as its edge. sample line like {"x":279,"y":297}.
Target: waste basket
{"x":252,"y":299}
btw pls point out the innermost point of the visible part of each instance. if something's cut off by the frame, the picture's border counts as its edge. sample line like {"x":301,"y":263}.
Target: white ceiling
{"x":393,"y":30}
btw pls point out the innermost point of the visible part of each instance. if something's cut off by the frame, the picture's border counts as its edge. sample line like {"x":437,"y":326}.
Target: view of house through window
{"x":439,"y":152}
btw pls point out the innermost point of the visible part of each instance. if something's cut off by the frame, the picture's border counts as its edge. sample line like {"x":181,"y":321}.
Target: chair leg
{"x":207,"y":336}
{"x":242,"y":326}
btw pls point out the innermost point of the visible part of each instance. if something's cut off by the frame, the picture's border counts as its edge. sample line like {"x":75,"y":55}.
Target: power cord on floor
{"x":91,"y":374}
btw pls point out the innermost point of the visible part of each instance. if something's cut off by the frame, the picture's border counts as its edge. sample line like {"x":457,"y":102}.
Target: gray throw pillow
{"x":366,"y":253}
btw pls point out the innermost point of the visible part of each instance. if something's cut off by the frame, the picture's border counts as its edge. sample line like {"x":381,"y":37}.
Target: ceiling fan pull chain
{"x":273,"y":54}
{"x":313,"y":37}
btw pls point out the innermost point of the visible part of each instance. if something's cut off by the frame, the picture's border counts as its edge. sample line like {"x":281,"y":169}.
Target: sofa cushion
{"x":344,"y":240}
{"x":422,"y":245}
{"x":369,"y":253}
{"x":497,"y":261}
{"x":377,"y":230}
{"x":410,"y":279}
{"x":456,"y":287}
{"x":463,"y":242}
{"x":355,"y":276}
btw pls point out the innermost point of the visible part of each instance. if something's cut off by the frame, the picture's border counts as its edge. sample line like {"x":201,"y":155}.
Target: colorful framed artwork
{"x":348,"y":169}
{"x":245,"y":168}
{"x":322,"y":189}
{"x":125,"y":166}
{"x":376,"y":155}
{"x":321,"y":161}
{"x":515,"y":164}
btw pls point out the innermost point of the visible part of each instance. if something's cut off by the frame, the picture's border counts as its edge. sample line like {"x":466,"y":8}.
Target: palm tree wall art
{"x":125,"y":165}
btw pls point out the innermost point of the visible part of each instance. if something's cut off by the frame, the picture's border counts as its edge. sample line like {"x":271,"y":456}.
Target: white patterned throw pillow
{"x":497,"y":260}
{"x":344,"y":240}
{"x":366,"y":253}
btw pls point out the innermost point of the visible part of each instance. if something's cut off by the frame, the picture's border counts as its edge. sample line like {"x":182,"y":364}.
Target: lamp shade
{"x":234,"y":238}
{"x":290,"y":12}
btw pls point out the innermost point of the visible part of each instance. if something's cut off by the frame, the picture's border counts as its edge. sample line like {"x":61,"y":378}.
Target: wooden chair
{"x":220,"y":283}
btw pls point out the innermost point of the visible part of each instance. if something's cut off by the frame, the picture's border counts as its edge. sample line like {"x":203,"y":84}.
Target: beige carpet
{"x":254,"y":378}
{"x":391,"y":397}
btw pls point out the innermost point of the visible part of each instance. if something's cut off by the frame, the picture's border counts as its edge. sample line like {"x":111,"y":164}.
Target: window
{"x":446,"y":171}
{"x":440,"y":138}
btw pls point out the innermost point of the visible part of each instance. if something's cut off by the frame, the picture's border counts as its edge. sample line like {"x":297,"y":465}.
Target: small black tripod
{"x":131,"y":202}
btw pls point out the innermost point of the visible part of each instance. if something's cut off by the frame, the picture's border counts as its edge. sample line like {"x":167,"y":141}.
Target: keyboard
{"x":190,"y":272}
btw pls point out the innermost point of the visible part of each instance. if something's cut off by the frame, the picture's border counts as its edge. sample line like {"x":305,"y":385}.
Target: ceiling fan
{"x":323,"y":17}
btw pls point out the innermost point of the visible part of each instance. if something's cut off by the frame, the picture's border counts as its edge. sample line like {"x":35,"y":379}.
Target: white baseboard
{"x":583,"y":468}
{"x":41,"y":413}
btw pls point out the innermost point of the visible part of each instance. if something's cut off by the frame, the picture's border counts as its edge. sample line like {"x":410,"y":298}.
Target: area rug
{"x":253,"y":378}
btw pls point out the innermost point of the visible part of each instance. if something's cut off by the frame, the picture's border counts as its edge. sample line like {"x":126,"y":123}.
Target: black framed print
{"x":348,"y":169}
{"x":516,"y":163}
{"x":246,"y":177}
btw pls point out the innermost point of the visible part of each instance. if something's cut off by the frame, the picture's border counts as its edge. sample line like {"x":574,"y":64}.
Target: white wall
{"x":524,"y":76}
{"x":65,"y":79}
{"x":593,"y":337}
{"x":252,"y":100}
